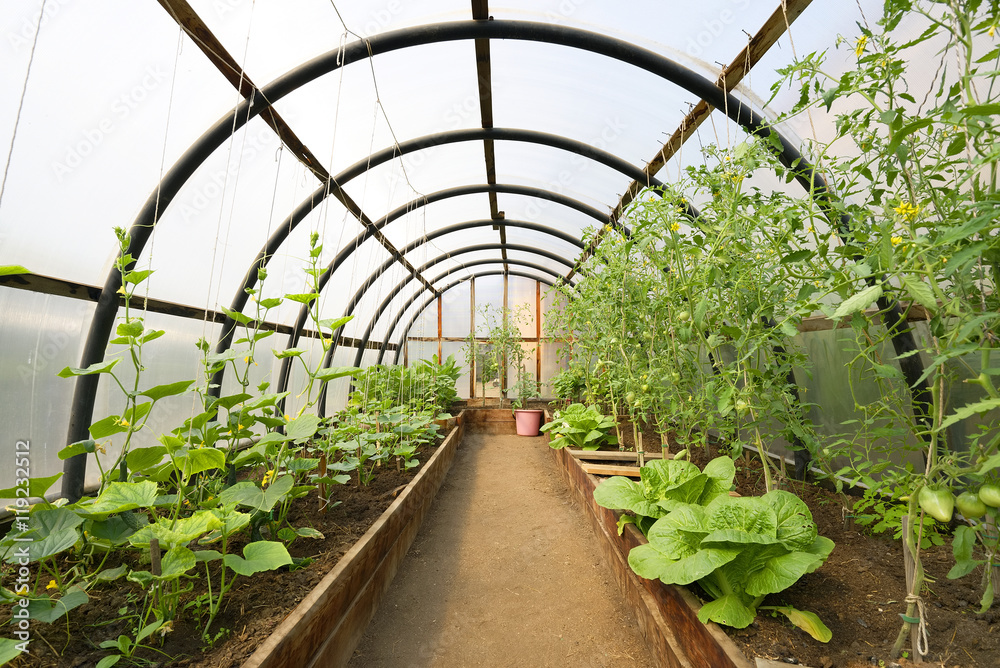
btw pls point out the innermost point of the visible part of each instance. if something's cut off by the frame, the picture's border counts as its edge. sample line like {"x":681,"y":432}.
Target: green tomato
{"x":937,"y":502}
{"x":645,"y":388}
{"x":684,"y":316}
{"x":630,"y":397}
{"x":969,"y":504}
{"x":990,"y":495}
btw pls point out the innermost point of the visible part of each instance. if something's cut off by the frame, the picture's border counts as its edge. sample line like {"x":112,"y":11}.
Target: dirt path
{"x":504,"y":572}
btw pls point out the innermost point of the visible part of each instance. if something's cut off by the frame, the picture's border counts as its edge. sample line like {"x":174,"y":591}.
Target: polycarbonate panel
{"x":695,"y":34}
{"x":551,"y":300}
{"x":553,"y":361}
{"x":456,"y":316}
{"x":560,"y":171}
{"x":489,"y":297}
{"x":521,"y":295}
{"x":557,"y":268}
{"x":96,"y":129}
{"x":602,"y":102}
{"x":547,"y":212}
{"x":42,"y":334}
{"x":458,"y":350}
{"x":394,"y":183}
{"x":443,"y":213}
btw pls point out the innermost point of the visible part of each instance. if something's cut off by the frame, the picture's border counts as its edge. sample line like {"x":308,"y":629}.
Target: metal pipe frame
{"x":81,"y":412}
{"x":448,"y":230}
{"x":328,"y":358}
{"x":362,"y":166}
{"x":409,"y":302}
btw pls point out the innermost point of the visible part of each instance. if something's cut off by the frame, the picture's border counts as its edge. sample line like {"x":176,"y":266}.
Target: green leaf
{"x":37,"y":487}
{"x":797,"y":256}
{"x":133,"y":328}
{"x":333,"y":324}
{"x":137,"y":277}
{"x":920,"y":291}
{"x":807,"y":621}
{"x":148,"y":630}
{"x":8,"y":646}
{"x":796,"y":529}
{"x":12,"y":269}
{"x":168,"y":390}
{"x":78,"y":448}
{"x":109,"y":426}
{"x":968,"y":411}
{"x":109,"y":661}
{"x":182,"y":531}
{"x":49,"y":610}
{"x":268,"y":304}
{"x":332,"y":373}
{"x":303,"y":428}
{"x":176,"y":562}
{"x":237,"y":316}
{"x":620,"y":493}
{"x":302,"y":298}
{"x":54,"y":530}
{"x":142,"y":460}
{"x":859,"y":302}
{"x":248,"y":494}
{"x":728,"y":610}
{"x":119,"y":497}
{"x":116,"y":530}
{"x":289,"y":352}
{"x":99,"y":367}
{"x":262,"y":555}
{"x":202,"y":459}
{"x":111,"y":574}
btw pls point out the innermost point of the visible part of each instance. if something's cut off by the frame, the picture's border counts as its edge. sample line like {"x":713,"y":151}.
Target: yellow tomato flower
{"x":675,"y":227}
{"x":896,"y":240}
{"x":52,"y":585}
{"x":860,"y":47}
{"x":907,"y":210}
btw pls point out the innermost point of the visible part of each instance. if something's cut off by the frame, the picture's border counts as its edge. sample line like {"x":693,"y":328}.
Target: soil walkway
{"x":504,"y":572}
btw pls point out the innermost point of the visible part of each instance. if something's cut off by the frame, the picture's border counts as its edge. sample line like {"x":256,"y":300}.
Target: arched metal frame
{"x":443,"y":231}
{"x":349,"y":310}
{"x":462,"y":267}
{"x":81,"y":412}
{"x":378,"y":158}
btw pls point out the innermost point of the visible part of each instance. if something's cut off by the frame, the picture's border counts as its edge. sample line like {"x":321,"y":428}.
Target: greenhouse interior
{"x":562,"y":333}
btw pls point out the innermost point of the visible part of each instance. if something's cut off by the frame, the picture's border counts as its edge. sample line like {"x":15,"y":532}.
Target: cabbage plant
{"x":738,"y":549}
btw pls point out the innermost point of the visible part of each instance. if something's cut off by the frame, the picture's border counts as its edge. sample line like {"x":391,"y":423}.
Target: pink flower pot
{"x":528,"y":422}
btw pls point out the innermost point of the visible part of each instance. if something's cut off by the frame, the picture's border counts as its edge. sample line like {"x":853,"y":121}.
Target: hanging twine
{"x":922,"y":625}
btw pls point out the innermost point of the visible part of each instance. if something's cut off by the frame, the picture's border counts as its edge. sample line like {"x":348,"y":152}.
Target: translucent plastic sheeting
{"x":553,"y":361}
{"x":557,"y":268}
{"x":489,"y":297}
{"x":605,"y":103}
{"x":560,"y":171}
{"x":425,"y":219}
{"x":392,"y":184}
{"x":42,"y":335}
{"x":486,"y":234}
{"x":456,"y":315}
{"x":458,"y":350}
{"x":402,"y":78}
{"x":698,"y":35}
{"x":550,"y":300}
{"x":521,"y":298}
{"x":208,"y":237}
{"x":85,"y":109}
{"x":547,"y":212}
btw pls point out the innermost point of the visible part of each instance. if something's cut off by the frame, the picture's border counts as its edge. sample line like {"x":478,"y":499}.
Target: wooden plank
{"x":610,"y":469}
{"x":667,"y":614}
{"x":343,"y":602}
{"x":611,"y":455}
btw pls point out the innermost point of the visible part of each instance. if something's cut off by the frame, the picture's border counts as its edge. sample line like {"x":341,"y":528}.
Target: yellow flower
{"x":675,"y":227}
{"x":860,"y":48}
{"x":992,"y":30}
{"x":122,"y":291}
{"x":607,"y":228}
{"x":287,"y":418}
{"x":52,"y":585}
{"x":907,"y":210}
{"x":239,"y":427}
{"x":896,"y":240}
{"x":268,"y":477}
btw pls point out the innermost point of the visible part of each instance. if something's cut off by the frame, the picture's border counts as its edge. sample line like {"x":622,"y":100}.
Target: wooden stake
{"x":909,"y":566}
{"x":322,"y":485}
{"x":638,"y":447}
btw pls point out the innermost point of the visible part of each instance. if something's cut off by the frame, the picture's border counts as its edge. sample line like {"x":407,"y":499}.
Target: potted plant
{"x":529,"y":420}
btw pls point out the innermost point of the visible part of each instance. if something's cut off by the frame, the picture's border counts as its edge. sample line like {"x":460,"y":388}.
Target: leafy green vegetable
{"x":582,"y":427}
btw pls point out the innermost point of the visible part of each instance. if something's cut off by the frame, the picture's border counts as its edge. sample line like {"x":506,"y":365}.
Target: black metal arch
{"x":328,"y":358}
{"x":286,"y":363}
{"x":392,"y":294}
{"x":380,"y":157}
{"x":451,"y":285}
{"x":462,"y":267}
{"x":102,"y":323}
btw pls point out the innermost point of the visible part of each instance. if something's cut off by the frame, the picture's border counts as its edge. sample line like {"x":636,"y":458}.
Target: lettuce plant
{"x":582,"y":427}
{"x":738,"y":549}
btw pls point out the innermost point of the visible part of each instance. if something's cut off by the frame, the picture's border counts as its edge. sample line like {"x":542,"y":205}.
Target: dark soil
{"x":859,"y":591}
{"x":251,"y":610}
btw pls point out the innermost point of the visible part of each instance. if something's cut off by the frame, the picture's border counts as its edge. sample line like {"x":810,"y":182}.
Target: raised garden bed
{"x":326,"y":626}
{"x":667,"y":615}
